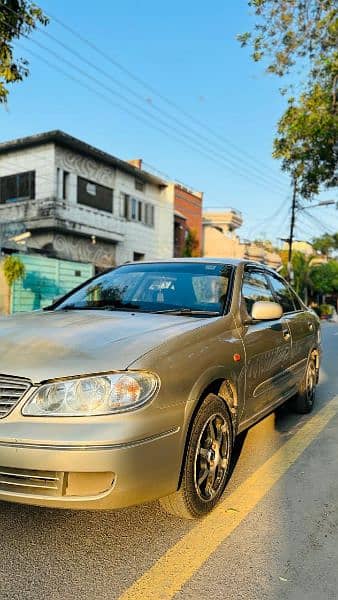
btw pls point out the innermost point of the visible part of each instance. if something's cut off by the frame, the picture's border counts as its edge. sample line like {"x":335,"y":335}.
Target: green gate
{"x":45,"y":280}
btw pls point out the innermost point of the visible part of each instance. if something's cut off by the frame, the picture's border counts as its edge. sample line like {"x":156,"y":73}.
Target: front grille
{"x":11,"y":391}
{"x":22,"y":481}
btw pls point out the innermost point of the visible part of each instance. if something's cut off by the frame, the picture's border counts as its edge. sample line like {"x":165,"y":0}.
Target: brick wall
{"x":190,"y":205}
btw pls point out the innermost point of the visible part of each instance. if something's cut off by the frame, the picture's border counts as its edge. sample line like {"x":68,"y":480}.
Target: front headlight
{"x":86,"y":396}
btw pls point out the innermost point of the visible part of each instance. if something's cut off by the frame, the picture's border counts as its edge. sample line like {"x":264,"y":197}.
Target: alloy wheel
{"x":212,"y":457}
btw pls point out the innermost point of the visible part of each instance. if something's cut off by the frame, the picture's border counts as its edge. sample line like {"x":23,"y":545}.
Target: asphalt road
{"x":274,"y":537}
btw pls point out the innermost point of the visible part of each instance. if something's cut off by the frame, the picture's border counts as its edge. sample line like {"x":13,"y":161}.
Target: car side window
{"x":255,"y":288}
{"x":296,"y":300}
{"x":282,"y":294}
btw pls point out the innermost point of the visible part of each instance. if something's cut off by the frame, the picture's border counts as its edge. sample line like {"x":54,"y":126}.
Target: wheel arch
{"x":223,"y":387}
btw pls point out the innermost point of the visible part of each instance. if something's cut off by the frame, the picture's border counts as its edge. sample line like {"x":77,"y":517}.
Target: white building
{"x":82,"y":204}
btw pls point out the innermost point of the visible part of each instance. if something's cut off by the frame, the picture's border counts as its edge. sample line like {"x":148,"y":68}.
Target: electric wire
{"x":155,"y":108}
{"x":168,"y":129}
{"x":263,"y":177}
{"x":149,"y":87}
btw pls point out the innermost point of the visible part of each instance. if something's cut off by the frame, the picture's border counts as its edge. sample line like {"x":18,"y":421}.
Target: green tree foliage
{"x":326,"y":243}
{"x":307,"y":141}
{"x":288,"y":32}
{"x":302,"y":270}
{"x":191,"y":244}
{"x":324,"y":277}
{"x":14,"y":269}
{"x":17,"y":18}
{"x":302,"y":33}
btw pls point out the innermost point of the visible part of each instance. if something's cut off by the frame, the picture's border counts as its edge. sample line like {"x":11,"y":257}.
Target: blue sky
{"x":188,"y":53}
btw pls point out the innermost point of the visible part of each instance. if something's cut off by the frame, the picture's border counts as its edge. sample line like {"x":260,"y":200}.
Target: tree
{"x":17,"y":18}
{"x":14,"y":269}
{"x":326,"y":243}
{"x":289,"y":32}
{"x":302,"y":272}
{"x":302,"y":33}
{"x":307,"y":141}
{"x":191,"y":244}
{"x":325,"y":277}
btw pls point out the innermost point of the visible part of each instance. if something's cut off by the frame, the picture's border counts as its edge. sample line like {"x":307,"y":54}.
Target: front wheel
{"x":305,"y":398}
{"x":207,"y":462}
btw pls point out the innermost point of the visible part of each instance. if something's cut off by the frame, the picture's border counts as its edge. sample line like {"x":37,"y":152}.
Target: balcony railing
{"x":59,"y":214}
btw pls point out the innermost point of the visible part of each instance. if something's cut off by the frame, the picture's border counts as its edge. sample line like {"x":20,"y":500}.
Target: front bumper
{"x":90,"y":476}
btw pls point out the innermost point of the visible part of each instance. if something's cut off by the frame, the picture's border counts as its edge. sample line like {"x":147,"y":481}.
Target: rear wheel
{"x":207,"y":462}
{"x":305,"y":398}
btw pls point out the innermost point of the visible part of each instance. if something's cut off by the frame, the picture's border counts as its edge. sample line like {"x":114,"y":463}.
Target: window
{"x":139,"y":211}
{"x":138,"y":256}
{"x":125,"y":206}
{"x":133,"y":208}
{"x":65,"y":185}
{"x":282,"y":293}
{"x":20,"y":186}
{"x":255,"y":288}
{"x":94,"y":195}
{"x":149,"y":215}
{"x":297,"y":302}
{"x":139,"y":185}
{"x":154,"y":287}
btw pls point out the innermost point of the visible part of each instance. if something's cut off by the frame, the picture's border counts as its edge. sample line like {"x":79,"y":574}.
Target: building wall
{"x":4,"y":293}
{"x":138,"y":238}
{"x":41,"y":160}
{"x":189,"y":203}
{"x":45,"y":280}
{"x":116,"y":239}
{"x":219,"y":245}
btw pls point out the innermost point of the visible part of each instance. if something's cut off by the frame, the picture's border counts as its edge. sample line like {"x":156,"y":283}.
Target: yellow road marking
{"x":170,"y":572}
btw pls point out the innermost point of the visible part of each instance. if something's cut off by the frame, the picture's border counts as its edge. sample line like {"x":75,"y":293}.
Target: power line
{"x":325,"y":228}
{"x":165,"y":124}
{"x":154,"y":107}
{"x":149,"y":87}
{"x":145,"y":119}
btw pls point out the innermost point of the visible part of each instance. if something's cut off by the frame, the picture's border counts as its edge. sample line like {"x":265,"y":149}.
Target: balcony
{"x":55,"y":214}
{"x":226,"y":220}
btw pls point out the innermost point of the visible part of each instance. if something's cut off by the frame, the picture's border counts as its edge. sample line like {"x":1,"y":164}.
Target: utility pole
{"x":292,"y":226}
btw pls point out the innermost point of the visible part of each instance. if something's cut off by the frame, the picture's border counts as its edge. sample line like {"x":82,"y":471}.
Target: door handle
{"x":286,"y":334}
{"x":310,"y":325}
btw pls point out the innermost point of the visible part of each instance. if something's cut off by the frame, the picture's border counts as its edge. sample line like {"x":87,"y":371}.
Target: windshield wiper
{"x":189,"y":312}
{"x":103,"y":307}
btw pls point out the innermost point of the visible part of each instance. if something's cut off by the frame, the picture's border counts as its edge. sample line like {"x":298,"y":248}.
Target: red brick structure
{"x":188,"y":217}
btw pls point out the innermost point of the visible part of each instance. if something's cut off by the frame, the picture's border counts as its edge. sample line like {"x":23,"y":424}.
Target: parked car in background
{"x":135,"y":385}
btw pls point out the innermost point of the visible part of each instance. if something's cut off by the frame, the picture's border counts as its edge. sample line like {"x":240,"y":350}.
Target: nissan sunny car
{"x":134,"y":386}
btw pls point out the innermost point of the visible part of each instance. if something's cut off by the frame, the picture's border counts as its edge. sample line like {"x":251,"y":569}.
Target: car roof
{"x":206,"y":259}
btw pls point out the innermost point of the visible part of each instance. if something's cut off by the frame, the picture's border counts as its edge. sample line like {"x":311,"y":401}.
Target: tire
{"x":304,"y":401}
{"x":207,"y":462}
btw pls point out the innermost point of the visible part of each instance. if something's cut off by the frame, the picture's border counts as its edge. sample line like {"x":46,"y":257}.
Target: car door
{"x":301,"y":324}
{"x":268,"y":348}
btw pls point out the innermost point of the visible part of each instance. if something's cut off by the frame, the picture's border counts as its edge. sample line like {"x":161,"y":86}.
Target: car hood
{"x":46,"y":345}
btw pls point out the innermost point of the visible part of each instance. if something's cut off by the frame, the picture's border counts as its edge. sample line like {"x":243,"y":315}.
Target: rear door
{"x":301,"y":324}
{"x":268,"y":348}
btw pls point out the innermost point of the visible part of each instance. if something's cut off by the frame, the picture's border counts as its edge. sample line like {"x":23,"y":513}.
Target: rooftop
{"x":67,"y":141}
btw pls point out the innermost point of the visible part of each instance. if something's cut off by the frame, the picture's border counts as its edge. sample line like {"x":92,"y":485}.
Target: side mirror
{"x":266,"y":311}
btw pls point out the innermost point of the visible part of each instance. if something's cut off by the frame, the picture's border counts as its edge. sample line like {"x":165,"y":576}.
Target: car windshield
{"x":187,"y":288}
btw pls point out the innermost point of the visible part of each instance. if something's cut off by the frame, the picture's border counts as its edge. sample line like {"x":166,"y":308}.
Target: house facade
{"x":78,"y":203}
{"x":220,"y":239}
{"x":187,"y":218}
